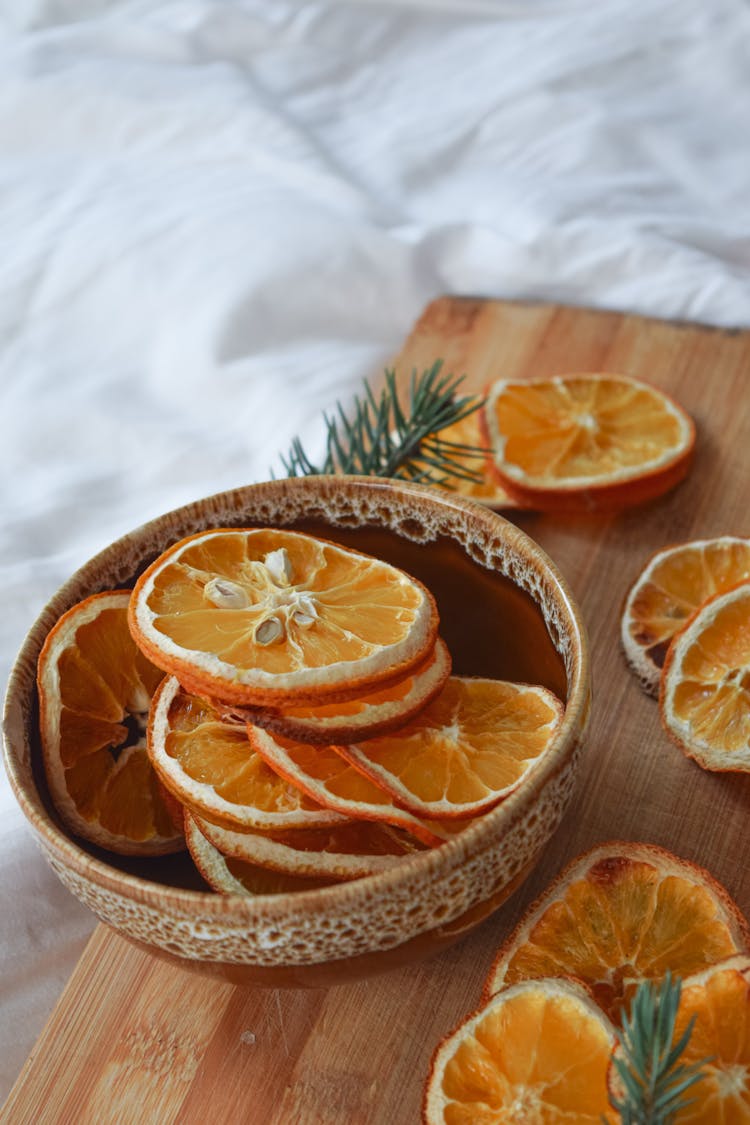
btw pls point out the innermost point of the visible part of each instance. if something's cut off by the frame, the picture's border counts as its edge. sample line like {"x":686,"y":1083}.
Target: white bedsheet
{"x":216,"y":218}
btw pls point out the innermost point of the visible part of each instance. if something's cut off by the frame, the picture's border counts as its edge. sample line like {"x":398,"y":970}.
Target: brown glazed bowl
{"x":505,"y":612}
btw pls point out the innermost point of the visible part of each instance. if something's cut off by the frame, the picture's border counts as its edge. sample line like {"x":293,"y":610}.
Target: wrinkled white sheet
{"x":216,"y":218}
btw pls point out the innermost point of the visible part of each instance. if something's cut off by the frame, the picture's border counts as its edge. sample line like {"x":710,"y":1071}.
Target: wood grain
{"x":133,"y":1039}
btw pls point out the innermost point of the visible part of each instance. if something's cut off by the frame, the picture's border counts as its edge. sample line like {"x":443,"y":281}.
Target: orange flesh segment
{"x":465,"y":750}
{"x":579,"y":429}
{"x":105,"y":686}
{"x":624,"y":922}
{"x":533,"y":1055}
{"x":361,"y":604}
{"x":104,"y":675}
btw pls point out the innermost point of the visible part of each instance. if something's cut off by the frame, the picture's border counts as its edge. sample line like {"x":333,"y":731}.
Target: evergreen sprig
{"x":383,"y":436}
{"x":654,"y":1081}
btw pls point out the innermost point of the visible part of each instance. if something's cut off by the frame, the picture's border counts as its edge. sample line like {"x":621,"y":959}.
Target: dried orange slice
{"x":669,"y":589}
{"x":537,"y":1052}
{"x":95,"y":690}
{"x":371,"y":714}
{"x":343,"y":851}
{"x":705,"y":686}
{"x":327,"y":778}
{"x":209,"y":765}
{"x":587,"y":442}
{"x":719,"y":998}
{"x":260,"y":616}
{"x":619,"y":915}
{"x":235,"y":877}
{"x":465,"y":751}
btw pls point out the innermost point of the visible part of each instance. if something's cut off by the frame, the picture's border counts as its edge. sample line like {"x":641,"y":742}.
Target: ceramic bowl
{"x":505,"y":612}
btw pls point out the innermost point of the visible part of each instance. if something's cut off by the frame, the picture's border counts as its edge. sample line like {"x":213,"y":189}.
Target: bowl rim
{"x":430,"y":865}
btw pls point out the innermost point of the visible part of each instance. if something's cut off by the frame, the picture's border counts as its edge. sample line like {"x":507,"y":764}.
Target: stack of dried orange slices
{"x":576,"y":443}
{"x":540,"y":1046}
{"x":308,"y":728}
{"x":685,"y":631}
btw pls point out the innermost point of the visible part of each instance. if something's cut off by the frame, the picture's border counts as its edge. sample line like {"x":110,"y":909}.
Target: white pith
{"x":219,"y":876}
{"x":267,"y":852}
{"x":731,"y":1080}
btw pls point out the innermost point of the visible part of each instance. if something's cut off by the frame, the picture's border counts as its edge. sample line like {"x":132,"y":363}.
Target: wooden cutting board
{"x":134,"y":1039}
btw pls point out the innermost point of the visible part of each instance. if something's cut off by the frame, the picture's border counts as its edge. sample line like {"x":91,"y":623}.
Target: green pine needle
{"x":654,"y":1082}
{"x":384,"y":437}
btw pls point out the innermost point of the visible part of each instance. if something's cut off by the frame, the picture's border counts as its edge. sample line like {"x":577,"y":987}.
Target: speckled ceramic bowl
{"x":505,"y":612}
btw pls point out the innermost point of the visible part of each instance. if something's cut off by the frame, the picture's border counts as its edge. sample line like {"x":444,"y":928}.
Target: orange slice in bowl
{"x":327,"y":778}
{"x":670,"y":588}
{"x":705,"y":687}
{"x":537,"y":1052}
{"x":618,"y":915}
{"x":371,"y":714}
{"x":587,"y":442}
{"x":343,"y":851}
{"x":209,"y":765}
{"x":465,"y":751}
{"x":235,"y":877}
{"x":267,"y":617}
{"x":95,"y":690}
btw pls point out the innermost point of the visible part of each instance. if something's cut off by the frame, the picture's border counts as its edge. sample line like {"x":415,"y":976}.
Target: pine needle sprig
{"x":385,"y":437}
{"x":654,"y":1082}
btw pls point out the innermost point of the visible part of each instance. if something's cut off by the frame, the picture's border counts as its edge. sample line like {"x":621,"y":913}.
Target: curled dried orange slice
{"x":236,"y":877}
{"x":209,"y":765}
{"x":587,"y":442}
{"x":537,"y":1052}
{"x":465,"y":751}
{"x":618,"y":915}
{"x":705,"y":687}
{"x":669,"y":589}
{"x":95,"y":690}
{"x":371,"y":714}
{"x":327,"y":778}
{"x":343,"y":851}
{"x":269,"y":617}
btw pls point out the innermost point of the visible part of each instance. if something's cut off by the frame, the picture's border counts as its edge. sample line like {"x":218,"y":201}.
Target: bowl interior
{"x":505,"y":612}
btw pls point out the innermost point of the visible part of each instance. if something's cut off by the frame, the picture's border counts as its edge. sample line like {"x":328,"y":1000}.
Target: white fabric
{"x":216,"y":218}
